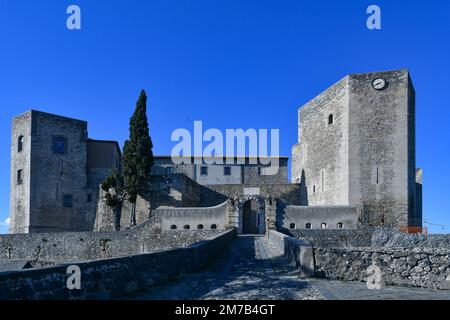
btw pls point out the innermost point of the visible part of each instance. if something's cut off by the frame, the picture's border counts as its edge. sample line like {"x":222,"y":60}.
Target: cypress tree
{"x":137,"y":158}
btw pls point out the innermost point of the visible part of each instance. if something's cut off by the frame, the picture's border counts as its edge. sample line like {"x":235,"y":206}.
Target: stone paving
{"x":248,"y":269}
{"x":251,"y":268}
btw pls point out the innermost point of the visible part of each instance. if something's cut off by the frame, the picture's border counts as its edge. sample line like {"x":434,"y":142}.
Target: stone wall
{"x":290,"y":193}
{"x":322,"y":165}
{"x":51,"y":248}
{"x":419,"y":267}
{"x":298,"y":252}
{"x":175,"y":190}
{"x":114,"y":277}
{"x":387,"y":237}
{"x":20,"y":160}
{"x":297,"y":217}
{"x":404,"y":259}
{"x":59,"y":188}
{"x":382,"y":148}
{"x":168,"y":191}
{"x":375,"y":237}
{"x":209,"y":218}
{"x":356,"y":147}
{"x":253,"y":174}
{"x":243,"y":170}
{"x":49,"y":176}
{"x":335,"y":238}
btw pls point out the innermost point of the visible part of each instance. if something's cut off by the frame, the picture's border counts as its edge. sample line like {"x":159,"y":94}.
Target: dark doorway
{"x":249,"y":218}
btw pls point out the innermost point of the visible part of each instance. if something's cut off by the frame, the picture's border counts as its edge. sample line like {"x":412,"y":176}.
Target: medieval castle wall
{"x":357,"y":147}
{"x":356,"y":153}
{"x":54,"y":180}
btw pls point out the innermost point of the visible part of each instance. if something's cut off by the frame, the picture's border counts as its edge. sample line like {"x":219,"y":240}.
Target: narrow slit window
{"x":377,"y":176}
{"x":330,"y":119}
{"x":19,"y":176}
{"x":20,"y":144}
{"x":323,"y":179}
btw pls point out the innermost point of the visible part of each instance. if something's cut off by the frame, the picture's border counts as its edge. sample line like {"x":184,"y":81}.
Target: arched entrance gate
{"x":251,"y":214}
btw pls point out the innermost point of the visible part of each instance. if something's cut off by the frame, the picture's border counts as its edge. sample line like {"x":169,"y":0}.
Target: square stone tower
{"x":48,"y":173}
{"x":356,"y":146}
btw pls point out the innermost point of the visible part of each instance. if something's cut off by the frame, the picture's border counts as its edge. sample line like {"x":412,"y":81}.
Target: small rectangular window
{"x":169,"y":170}
{"x":89,"y":198}
{"x":259,"y":170}
{"x":227,"y":171}
{"x":67,"y":201}
{"x":204,"y":171}
{"x":19,"y":176}
{"x":59,"y":145}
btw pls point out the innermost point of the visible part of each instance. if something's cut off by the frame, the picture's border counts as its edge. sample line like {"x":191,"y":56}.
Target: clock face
{"x":379,"y":84}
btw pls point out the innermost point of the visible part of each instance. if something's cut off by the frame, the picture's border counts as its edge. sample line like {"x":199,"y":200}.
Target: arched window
{"x":340,"y":225}
{"x":323,"y":225}
{"x":200,"y":226}
{"x":173,"y":227}
{"x":186,"y":227}
{"x":308,"y":226}
{"x":20,"y":144}
{"x":292,"y":226}
{"x":330,"y":119}
{"x":213,"y":226}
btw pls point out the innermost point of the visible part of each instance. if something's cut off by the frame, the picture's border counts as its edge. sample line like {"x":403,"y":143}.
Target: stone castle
{"x":353,"y":165}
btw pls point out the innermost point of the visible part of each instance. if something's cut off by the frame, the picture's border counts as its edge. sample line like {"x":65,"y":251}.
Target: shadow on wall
{"x":209,"y":197}
{"x":280,"y":215}
{"x":303,"y":190}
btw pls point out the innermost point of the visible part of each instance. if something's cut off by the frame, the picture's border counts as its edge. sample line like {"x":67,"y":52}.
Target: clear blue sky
{"x":229,"y":63}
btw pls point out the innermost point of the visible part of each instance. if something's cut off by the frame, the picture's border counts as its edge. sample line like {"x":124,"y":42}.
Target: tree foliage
{"x":115,"y":194}
{"x":137,"y":159}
